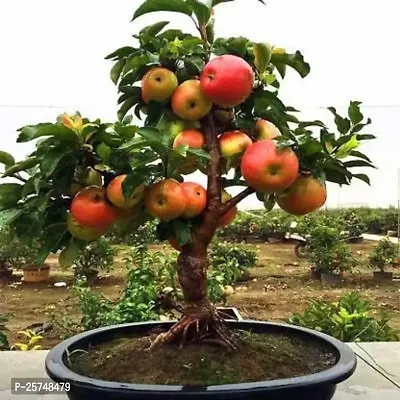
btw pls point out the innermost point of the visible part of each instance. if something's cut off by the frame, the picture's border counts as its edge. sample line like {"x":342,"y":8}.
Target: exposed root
{"x":201,"y":327}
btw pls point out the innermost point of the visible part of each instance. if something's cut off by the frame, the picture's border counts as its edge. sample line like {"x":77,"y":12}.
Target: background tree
{"x":208,"y":104}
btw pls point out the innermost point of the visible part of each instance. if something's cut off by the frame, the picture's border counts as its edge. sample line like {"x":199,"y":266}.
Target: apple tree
{"x":205,"y":104}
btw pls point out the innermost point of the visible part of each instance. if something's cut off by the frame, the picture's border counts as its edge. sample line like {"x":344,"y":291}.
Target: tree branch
{"x":235,"y":200}
{"x":211,"y":214}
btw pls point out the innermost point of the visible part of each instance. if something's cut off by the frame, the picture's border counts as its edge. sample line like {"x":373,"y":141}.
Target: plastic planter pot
{"x":319,"y":386}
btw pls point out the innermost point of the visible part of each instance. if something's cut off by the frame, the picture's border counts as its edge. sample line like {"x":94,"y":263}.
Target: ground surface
{"x":281,"y":285}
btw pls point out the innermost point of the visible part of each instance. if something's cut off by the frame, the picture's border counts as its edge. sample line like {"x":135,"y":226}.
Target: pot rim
{"x":344,"y":368}
{"x":35,"y":267}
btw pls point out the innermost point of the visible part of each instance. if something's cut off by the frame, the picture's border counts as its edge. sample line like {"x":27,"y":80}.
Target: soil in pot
{"x":259,"y":357}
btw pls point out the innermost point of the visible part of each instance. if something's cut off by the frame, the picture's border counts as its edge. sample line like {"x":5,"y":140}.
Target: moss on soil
{"x":259,"y":357}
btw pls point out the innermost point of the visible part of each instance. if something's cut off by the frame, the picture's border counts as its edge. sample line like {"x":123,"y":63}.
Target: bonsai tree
{"x":384,"y":254}
{"x":201,"y":104}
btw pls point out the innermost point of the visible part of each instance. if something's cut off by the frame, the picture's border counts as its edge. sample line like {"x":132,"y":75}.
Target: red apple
{"x":230,"y":215}
{"x":227,"y":80}
{"x":195,"y":140}
{"x":91,"y":208}
{"x":269,"y":169}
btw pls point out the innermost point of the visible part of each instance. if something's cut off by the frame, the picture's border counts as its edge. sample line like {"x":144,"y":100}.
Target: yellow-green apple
{"x":158,"y":84}
{"x":306,"y":195}
{"x":90,"y":208}
{"x":227,"y":80}
{"x":92,"y":177}
{"x":269,"y":169}
{"x":82,"y":232}
{"x":230,"y":215}
{"x":196,"y":199}
{"x":195,"y":140}
{"x":165,"y":199}
{"x":189,"y":102}
{"x":234,"y":143}
{"x":266,"y":130}
{"x":116,"y":196}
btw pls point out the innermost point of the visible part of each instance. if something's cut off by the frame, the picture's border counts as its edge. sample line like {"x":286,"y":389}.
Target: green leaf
{"x":182,"y":150}
{"x":67,"y":257}
{"x":182,"y":231}
{"x":6,"y":158}
{"x":363,"y":177}
{"x":306,"y":124}
{"x":238,"y":46}
{"x":51,"y":159}
{"x":121,"y":53}
{"x":295,"y":61}
{"x":153,"y":30}
{"x":133,"y":180}
{"x":355,"y":114}
{"x":359,"y":127}
{"x":345,"y":149}
{"x":343,"y":124}
{"x":126,"y":106}
{"x":358,"y":163}
{"x":9,"y":216}
{"x":149,"y":6}
{"x":30,"y":132}
{"x":202,"y":12}
{"x":262,"y":53}
{"x":200,"y":153}
{"x":281,"y":69}
{"x":366,"y":137}
{"x":269,"y":201}
{"x":10,"y":194}
{"x":358,"y":154}
{"x":54,"y":236}
{"x":116,"y":71}
{"x":21,"y":166}
{"x":154,"y":135}
{"x":194,"y":65}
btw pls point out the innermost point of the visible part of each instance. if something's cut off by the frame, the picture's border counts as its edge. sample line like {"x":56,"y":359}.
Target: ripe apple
{"x":230,"y":215}
{"x":227,"y":80}
{"x":269,"y":169}
{"x":91,"y":208}
{"x":82,"y":232}
{"x":234,"y":143}
{"x":165,"y":199}
{"x":196,"y":199}
{"x":307,"y":194}
{"x":195,"y":140}
{"x":266,"y":130}
{"x":116,"y":195}
{"x":189,"y":102}
{"x":92,"y":177}
{"x":158,"y":84}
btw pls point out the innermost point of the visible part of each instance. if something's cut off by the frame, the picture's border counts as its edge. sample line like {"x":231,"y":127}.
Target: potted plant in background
{"x":383,"y":256}
{"x":229,"y":120}
{"x":355,"y":227}
{"x":33,"y":272}
{"x":329,"y":254}
{"x":93,"y":258}
{"x":10,"y":253}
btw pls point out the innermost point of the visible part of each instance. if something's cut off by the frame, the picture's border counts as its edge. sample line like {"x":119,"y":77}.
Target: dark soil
{"x":259,"y":357}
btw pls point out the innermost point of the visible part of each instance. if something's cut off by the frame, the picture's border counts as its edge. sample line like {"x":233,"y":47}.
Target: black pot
{"x":319,"y":386}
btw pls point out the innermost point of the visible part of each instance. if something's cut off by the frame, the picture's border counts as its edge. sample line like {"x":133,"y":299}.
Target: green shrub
{"x":326,"y":249}
{"x":94,"y":257}
{"x":383,"y":254}
{"x":4,"y":344}
{"x":349,"y":320}
{"x":223,"y":251}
